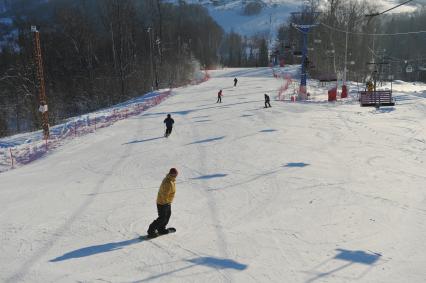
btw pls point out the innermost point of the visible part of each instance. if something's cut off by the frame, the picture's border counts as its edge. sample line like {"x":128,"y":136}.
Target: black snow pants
{"x":159,"y":224}
{"x":168,"y":131}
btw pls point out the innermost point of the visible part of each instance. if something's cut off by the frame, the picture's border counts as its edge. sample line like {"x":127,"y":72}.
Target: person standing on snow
{"x":235,"y":82}
{"x":219,"y":97}
{"x":267,"y":101}
{"x":169,"y":125}
{"x":165,"y":197}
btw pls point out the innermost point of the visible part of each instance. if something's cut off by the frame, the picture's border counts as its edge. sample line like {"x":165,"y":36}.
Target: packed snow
{"x":311,"y":191}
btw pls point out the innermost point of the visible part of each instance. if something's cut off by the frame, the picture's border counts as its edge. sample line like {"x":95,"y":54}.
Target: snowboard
{"x":146,"y":237}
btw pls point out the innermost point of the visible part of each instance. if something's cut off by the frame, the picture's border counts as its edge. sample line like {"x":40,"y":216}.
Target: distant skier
{"x":169,"y":125}
{"x":370,"y":86}
{"x":267,"y":99}
{"x":235,"y":82}
{"x":165,"y":196}
{"x":219,"y":97}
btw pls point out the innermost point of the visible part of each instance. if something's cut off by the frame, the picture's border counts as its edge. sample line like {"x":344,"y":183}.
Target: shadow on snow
{"x":211,"y":176}
{"x":296,"y":164}
{"x":145,"y":140}
{"x":92,"y":250}
{"x":350,"y":258}
{"x":212,"y":262}
{"x":218,"y":263}
{"x":207,"y":140}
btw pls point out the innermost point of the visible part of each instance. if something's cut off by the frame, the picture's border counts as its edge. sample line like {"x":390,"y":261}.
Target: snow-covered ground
{"x":300,"y":192}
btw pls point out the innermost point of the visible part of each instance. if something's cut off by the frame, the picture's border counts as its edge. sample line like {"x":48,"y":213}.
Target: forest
{"x":387,"y":40}
{"x":97,"y":53}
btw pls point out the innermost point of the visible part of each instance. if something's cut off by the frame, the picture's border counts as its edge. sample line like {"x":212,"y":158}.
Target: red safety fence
{"x":74,"y":127}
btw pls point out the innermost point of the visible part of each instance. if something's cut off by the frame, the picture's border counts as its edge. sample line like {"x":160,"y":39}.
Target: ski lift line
{"x":374,"y":34}
{"x":380,"y":13}
{"x":396,"y":60}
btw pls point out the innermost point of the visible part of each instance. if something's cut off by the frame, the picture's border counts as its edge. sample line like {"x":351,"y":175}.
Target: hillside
{"x":229,"y":14}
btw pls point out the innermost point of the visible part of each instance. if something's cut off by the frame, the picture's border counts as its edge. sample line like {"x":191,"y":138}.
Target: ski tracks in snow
{"x":47,"y":244}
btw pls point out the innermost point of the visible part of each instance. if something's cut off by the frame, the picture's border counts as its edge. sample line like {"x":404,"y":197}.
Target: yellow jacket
{"x":167,"y":190}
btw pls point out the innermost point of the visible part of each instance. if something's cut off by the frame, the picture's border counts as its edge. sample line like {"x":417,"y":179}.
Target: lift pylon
{"x":43,"y":109}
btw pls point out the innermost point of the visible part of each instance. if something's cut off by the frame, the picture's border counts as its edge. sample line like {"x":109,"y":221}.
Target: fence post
{"x":11,"y":156}
{"x":75,"y":129}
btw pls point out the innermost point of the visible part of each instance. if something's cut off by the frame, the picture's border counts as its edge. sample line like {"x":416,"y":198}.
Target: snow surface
{"x":300,"y":192}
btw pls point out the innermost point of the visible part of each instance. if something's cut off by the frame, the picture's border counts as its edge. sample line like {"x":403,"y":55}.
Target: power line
{"x":376,"y":14}
{"x":374,"y":34}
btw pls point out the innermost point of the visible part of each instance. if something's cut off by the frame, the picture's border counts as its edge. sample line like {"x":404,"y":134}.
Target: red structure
{"x":344,"y":92}
{"x":332,"y":94}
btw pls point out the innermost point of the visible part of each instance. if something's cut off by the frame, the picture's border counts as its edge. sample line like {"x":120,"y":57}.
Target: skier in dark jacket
{"x":169,"y":125}
{"x":235,"y":82}
{"x":219,"y":97}
{"x":267,"y":101}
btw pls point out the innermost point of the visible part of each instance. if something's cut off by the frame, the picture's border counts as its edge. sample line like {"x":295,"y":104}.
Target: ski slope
{"x":300,"y":192}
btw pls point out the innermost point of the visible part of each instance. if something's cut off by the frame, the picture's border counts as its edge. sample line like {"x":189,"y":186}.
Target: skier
{"x":235,"y":82}
{"x":169,"y":125}
{"x":267,"y":101}
{"x":219,"y":97}
{"x":370,"y":86}
{"x":165,"y":196}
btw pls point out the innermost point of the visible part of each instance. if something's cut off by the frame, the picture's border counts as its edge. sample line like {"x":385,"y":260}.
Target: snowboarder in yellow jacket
{"x":165,"y":197}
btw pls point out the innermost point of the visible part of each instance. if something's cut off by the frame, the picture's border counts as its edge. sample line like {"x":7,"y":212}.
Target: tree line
{"x":327,"y":41}
{"x":97,"y":53}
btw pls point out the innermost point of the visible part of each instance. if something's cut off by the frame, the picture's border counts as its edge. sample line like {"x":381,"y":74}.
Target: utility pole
{"x":151,"y":49}
{"x":41,"y":86}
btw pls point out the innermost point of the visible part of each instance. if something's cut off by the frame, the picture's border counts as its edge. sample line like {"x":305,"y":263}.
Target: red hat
{"x":173,"y":171}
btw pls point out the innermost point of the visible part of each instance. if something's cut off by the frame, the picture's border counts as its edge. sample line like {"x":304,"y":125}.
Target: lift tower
{"x":41,"y":86}
{"x":304,"y":29}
